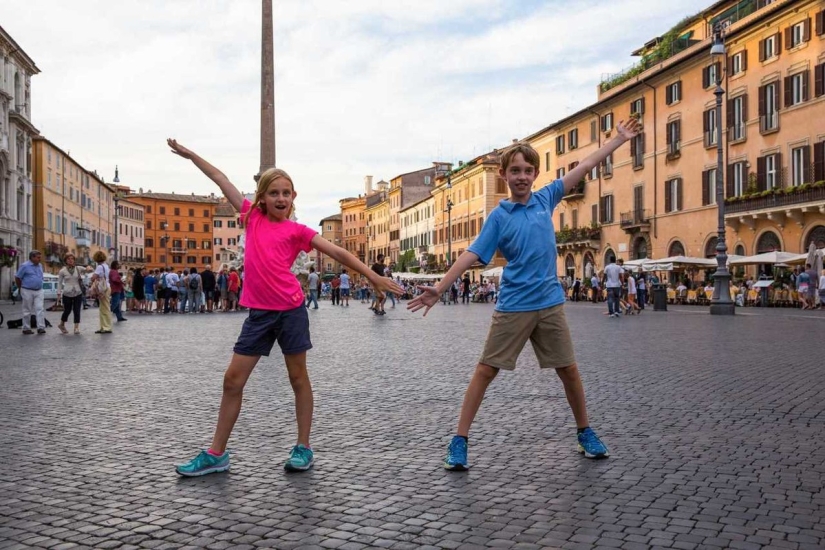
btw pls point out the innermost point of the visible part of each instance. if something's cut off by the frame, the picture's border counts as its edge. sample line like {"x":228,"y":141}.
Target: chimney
{"x":368,"y":184}
{"x":140,"y":190}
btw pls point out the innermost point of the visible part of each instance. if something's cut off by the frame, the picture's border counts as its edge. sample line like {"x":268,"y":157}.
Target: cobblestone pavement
{"x":715,"y":428}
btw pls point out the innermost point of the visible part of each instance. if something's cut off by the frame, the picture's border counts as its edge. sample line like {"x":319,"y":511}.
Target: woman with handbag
{"x":102,"y":292}
{"x":70,"y":289}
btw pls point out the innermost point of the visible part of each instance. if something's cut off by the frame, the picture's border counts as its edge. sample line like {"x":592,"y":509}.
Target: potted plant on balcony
{"x":8,"y":255}
{"x":594,"y":232}
{"x":564,"y":235}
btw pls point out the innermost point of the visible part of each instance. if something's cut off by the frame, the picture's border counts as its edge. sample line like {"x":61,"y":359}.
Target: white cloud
{"x":367,"y":87}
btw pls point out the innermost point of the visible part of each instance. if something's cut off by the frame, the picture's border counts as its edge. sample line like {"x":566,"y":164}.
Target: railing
{"x":589,"y":233}
{"x":674,"y":149}
{"x":710,"y":138}
{"x":736,"y":132}
{"x":635,"y":218}
{"x":669,"y":48}
{"x":577,"y":193}
{"x":777,"y":198}
{"x":769,"y":123}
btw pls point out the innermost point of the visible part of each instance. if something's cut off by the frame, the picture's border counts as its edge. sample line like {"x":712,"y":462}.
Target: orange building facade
{"x":656,"y":196}
{"x":178,"y":229}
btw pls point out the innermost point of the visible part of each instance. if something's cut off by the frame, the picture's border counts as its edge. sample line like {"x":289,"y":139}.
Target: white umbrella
{"x":766,"y":258}
{"x":493,"y":272}
{"x":815,"y":259}
{"x":688,"y":260}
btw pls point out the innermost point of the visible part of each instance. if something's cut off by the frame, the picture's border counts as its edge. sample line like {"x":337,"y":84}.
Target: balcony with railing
{"x":575,"y":194}
{"x":635,"y":219}
{"x":578,"y":237}
{"x":674,"y":150}
{"x":779,"y":203}
{"x":769,"y":123}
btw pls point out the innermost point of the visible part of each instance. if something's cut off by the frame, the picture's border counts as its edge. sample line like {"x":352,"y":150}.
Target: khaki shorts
{"x":546,"y":329}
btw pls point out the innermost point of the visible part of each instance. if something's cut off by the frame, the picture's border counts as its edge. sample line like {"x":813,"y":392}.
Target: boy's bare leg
{"x":575,"y":394}
{"x":296,"y":366}
{"x":483,"y":375}
{"x":234,"y":380}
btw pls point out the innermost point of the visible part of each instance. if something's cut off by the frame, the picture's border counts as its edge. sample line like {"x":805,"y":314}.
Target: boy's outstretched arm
{"x":380,"y":284}
{"x":229,"y":191}
{"x":431,"y":294}
{"x":625,"y":131}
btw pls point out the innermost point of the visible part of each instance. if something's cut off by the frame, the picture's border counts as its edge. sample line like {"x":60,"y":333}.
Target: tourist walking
{"x":312,"y":281}
{"x":29,"y":279}
{"x":102,"y":292}
{"x":531,"y":302}
{"x":116,"y":286}
{"x":345,"y":286}
{"x":613,"y":283}
{"x":336,"y":290}
{"x":70,"y":292}
{"x":276,"y":309}
{"x":139,"y":289}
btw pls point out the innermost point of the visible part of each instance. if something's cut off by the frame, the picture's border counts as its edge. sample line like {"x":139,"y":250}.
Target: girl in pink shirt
{"x":276,"y":306}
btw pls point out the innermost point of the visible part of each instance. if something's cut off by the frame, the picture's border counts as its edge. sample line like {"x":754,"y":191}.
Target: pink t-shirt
{"x":271,"y":249}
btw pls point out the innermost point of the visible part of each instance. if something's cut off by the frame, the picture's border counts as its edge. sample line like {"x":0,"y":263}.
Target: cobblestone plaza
{"x":714,"y":425}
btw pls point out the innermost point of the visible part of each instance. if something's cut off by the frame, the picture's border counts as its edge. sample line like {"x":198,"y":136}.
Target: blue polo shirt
{"x":525,"y":236}
{"x":31,"y":276}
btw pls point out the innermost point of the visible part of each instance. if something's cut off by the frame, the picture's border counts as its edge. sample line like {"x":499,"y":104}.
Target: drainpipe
{"x":599,"y":146}
{"x":655,"y":166}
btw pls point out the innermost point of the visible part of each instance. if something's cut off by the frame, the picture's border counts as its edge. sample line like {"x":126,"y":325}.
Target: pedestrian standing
{"x":70,"y":291}
{"x":139,"y":289}
{"x":276,"y":310}
{"x":531,"y":303}
{"x":208,"y":282}
{"x":613,"y":283}
{"x":29,"y":279}
{"x":194,"y":289}
{"x":312,"y":281}
{"x":102,"y":292}
{"x":641,"y":287}
{"x":116,"y":285}
{"x":336,"y":290}
{"x":345,"y":286}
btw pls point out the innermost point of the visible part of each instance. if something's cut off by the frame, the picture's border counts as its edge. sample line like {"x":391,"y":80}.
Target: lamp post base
{"x":723,"y":308}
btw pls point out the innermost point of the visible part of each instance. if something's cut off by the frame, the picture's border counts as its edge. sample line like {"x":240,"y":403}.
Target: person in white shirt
{"x":613,"y":275}
{"x":345,"y":286}
{"x":821,"y":290}
{"x":632,"y":306}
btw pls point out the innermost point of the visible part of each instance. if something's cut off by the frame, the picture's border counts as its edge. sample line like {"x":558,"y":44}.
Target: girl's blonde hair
{"x":263,"y":184}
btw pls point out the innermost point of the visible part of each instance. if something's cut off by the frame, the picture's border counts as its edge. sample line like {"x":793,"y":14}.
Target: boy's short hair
{"x":529,"y":154}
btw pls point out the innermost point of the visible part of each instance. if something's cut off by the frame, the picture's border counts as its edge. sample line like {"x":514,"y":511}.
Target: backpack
{"x":162,"y":283}
{"x":193,"y":282}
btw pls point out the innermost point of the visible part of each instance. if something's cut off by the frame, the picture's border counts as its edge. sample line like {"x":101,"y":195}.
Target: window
{"x":607,"y":122}
{"x":737,"y":117}
{"x":710,"y":127}
{"x":819,"y":161}
{"x":573,"y":139}
{"x":769,"y":47}
{"x":594,"y":214}
{"x":637,"y":151}
{"x":218,"y":241}
{"x":737,"y":179}
{"x":206,"y":228}
{"x":796,"y":89}
{"x":798,"y":34}
{"x":559,"y":173}
{"x":819,"y":78}
{"x":606,"y":208}
{"x":607,"y":166}
{"x":191,"y":212}
{"x":177,"y":259}
{"x":546,"y":161}
{"x":673,"y":93}
{"x":738,"y":63}
{"x":561,"y":220}
{"x":594,"y":132}
{"x":575,"y":219}
{"x":49,"y":216}
{"x":177,"y":226}
{"x":767,"y":172}
{"x":674,"y":130}
{"x":711,"y":74}
{"x":148,"y":209}
{"x":206,"y":213}
{"x":148,"y":224}
{"x":163,"y":210}
{"x":593,"y":173}
{"x":560,"y":145}
{"x":709,"y":187}
{"x":637,"y":106}
{"x":673,"y":195}
{"x":191,"y":260}
{"x":501,"y":185}
{"x":177,"y":211}
{"x":217,"y":223}
{"x":769,"y":107}
{"x":191,"y":227}
{"x":231,"y":224}
{"x":800,"y":165}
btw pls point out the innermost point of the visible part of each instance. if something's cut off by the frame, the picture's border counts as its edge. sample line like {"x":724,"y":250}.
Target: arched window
{"x":816,"y":236}
{"x":589,"y":265}
{"x":609,"y":256}
{"x":570,"y":265}
{"x":768,"y":242}
{"x":640,"y":248}
{"x":676,"y":249}
{"x":739,"y":250}
{"x":710,"y":248}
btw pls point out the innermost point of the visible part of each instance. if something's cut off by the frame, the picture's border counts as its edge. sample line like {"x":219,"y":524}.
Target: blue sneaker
{"x":591,"y":445}
{"x":203,"y":464}
{"x":456,"y":458}
{"x":300,"y":459}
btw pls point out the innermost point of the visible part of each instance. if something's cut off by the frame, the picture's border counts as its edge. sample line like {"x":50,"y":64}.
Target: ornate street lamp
{"x":449,"y":224}
{"x":721,"y":302}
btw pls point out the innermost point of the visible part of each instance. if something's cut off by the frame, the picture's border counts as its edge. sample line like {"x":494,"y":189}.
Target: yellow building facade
{"x":656,"y":196}
{"x":74,"y":210}
{"x":331,"y":230}
{"x":377,"y":223}
{"x":353,"y":222}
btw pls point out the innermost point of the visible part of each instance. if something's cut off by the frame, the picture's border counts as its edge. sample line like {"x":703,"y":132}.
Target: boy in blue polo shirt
{"x":531,"y":300}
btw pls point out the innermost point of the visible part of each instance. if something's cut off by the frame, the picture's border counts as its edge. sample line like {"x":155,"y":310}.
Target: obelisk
{"x":267,"y":91}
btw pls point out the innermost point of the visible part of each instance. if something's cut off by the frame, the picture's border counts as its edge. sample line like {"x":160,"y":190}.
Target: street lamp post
{"x":117,"y":213}
{"x":367,"y":232}
{"x":449,"y":224}
{"x":721,"y":302}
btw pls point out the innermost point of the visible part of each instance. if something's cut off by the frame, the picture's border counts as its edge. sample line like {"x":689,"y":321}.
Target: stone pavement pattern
{"x":714,"y":445}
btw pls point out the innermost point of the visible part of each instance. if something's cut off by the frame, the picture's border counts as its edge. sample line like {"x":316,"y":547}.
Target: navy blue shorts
{"x":263,"y":327}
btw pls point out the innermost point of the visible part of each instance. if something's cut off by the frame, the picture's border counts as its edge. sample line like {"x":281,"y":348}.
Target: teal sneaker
{"x":203,"y":464}
{"x":591,"y":446}
{"x":456,"y":459}
{"x":300,"y":459}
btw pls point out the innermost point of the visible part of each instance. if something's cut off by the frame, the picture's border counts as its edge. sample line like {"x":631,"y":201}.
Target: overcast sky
{"x":363,"y":87}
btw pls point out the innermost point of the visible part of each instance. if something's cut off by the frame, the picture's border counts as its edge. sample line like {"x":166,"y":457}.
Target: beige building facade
{"x":656,"y":196}
{"x":331,"y":230}
{"x":226,"y":234}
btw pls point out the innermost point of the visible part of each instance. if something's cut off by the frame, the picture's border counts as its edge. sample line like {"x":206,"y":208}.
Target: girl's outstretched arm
{"x":380,"y":284}
{"x":231,"y":192}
